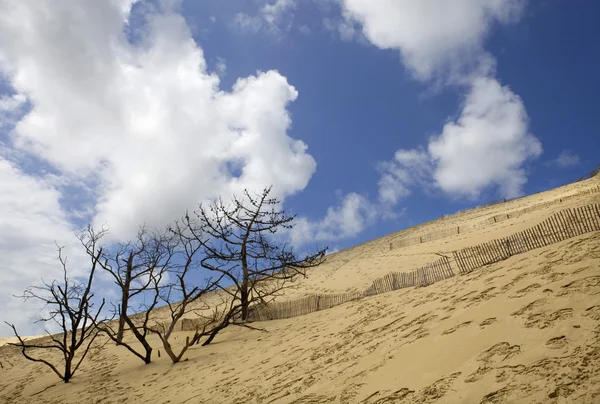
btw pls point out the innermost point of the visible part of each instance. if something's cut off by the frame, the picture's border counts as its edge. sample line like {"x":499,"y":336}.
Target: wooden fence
{"x":426,"y":275}
{"x":300,"y":307}
{"x":558,"y":227}
{"x":451,"y":231}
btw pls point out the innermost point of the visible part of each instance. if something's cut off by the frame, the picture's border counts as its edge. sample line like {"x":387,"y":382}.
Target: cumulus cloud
{"x":132,"y":112}
{"x":149,"y":121}
{"x":433,"y":36}
{"x":489,"y":143}
{"x":31,"y":222}
{"x":398,"y":176}
{"x":348,"y":218}
{"x":566,"y":159}
{"x":486,"y":146}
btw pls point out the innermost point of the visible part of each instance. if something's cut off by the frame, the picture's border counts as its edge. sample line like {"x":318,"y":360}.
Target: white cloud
{"x":345,"y":29}
{"x":409,"y":167}
{"x":11,"y":107}
{"x":31,"y":221}
{"x":350,"y":217}
{"x":274,"y":13}
{"x":247,"y":23}
{"x":221,"y":67}
{"x":443,"y":41}
{"x":144,"y":121}
{"x":566,"y":158}
{"x":433,"y":36}
{"x":149,"y":120}
{"x":274,"y":18}
{"x":487,"y":145}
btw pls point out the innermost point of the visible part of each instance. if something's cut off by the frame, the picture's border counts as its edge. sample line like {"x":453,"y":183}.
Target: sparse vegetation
{"x":138,"y":269}
{"x":240,"y":247}
{"x":70,"y":308}
{"x":234,"y":243}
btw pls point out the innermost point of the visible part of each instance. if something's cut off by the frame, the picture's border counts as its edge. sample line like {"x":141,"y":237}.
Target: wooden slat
{"x":534,"y":238}
{"x":456,"y":256}
{"x":548,"y":234}
{"x":566,"y":224}
{"x":472,"y":258}
{"x":559,"y":228}
{"x":540,"y":236}
{"x":582,"y":214}
{"x":577,"y":222}
{"x":594,"y":218}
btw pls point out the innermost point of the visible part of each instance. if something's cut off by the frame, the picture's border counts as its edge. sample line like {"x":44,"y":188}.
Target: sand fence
{"x":560,"y":226}
{"x":451,"y":231}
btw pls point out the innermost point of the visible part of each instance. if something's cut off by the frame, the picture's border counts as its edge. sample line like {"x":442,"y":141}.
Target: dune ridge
{"x":524,"y":329}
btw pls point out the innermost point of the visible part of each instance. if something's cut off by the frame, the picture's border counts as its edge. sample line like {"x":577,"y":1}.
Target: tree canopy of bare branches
{"x":179,"y":296}
{"x":240,"y":245}
{"x":70,"y":306}
{"x":138,"y":269}
{"x":235,"y":243}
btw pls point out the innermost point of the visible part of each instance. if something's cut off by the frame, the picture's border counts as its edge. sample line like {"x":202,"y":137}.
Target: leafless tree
{"x":189,"y":298}
{"x":138,"y":269}
{"x":70,"y":306}
{"x":240,"y":245}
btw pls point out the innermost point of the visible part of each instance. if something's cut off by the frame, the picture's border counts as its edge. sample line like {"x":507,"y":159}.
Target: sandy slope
{"x":523,"y":330}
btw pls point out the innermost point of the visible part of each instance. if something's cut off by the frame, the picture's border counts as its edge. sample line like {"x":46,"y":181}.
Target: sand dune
{"x":524,"y":330}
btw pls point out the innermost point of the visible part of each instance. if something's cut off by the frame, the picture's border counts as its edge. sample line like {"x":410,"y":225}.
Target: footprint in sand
{"x":557,"y":342}
{"x":544,"y":320}
{"x":529,"y":307}
{"x":438,"y":389}
{"x":496,"y":353}
{"x":502,"y":350}
{"x":487,"y":322}
{"x":484,"y":295}
{"x":512,"y":283}
{"x":589,"y":285}
{"x":498,"y":396}
{"x":455,"y":328}
{"x":523,"y":292}
{"x":593,"y":312}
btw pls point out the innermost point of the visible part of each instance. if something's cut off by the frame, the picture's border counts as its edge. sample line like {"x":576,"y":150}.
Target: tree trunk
{"x":244,"y":302}
{"x":245,"y":281}
{"x":124,"y":303}
{"x":67,"y":376}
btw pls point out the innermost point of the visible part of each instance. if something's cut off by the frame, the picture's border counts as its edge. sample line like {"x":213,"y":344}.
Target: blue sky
{"x":367,"y":116}
{"x":357,"y":103}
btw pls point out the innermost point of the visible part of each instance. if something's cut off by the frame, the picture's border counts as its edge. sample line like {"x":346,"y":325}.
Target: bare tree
{"x":240,"y":244}
{"x":138,"y":269}
{"x":190,"y":298}
{"x":70,"y":306}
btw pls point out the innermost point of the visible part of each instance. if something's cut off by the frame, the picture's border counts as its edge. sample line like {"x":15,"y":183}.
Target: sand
{"x":524,"y":330}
